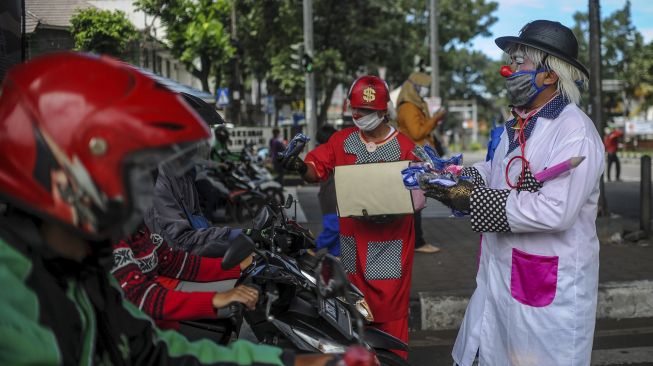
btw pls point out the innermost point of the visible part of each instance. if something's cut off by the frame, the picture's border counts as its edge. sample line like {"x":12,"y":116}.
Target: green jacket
{"x":55,"y":311}
{"x":220,"y":153}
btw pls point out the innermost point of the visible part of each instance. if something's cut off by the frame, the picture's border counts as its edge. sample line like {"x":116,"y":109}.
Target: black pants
{"x":613,"y":158}
{"x":419,"y":234}
{"x":280,"y":172}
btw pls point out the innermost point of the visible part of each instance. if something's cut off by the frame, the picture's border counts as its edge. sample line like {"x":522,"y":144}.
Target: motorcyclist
{"x":176,"y":213}
{"x":220,"y":150}
{"x":172,"y":285}
{"x":80,"y":136}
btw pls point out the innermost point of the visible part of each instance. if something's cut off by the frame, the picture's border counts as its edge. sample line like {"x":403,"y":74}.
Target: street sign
{"x":222,"y":97}
{"x":634,"y":127}
{"x":269,"y":104}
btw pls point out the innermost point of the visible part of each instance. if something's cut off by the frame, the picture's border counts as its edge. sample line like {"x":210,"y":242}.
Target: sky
{"x":513,"y":14}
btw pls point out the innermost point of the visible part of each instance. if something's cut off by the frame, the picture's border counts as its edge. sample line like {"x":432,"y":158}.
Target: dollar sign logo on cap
{"x":369,"y":94}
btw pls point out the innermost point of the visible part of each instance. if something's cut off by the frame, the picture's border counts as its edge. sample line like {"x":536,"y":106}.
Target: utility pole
{"x":310,"y":112}
{"x":435,"y":64}
{"x":235,"y":78}
{"x":595,"y":84}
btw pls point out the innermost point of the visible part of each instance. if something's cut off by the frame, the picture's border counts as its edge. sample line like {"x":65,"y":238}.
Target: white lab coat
{"x":535,"y":301}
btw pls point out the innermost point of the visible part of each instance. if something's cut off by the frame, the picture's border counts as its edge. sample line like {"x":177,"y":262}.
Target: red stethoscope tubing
{"x":521,"y":137}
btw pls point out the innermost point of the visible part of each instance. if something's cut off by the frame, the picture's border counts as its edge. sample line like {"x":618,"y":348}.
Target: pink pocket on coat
{"x":534,"y":278}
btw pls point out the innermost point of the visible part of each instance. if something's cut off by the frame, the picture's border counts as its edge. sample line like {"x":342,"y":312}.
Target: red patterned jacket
{"x":148,"y":271}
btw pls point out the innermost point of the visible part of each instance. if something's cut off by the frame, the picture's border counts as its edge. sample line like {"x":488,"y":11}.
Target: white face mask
{"x":423,"y":92}
{"x":369,"y":122}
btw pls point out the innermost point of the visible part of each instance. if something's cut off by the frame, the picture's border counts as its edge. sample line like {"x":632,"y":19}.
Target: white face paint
{"x":369,"y":122}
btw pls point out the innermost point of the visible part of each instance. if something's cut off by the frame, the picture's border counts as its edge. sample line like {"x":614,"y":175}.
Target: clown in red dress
{"x":377,"y":256}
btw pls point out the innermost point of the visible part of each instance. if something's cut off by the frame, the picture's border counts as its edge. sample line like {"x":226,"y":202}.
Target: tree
{"x":196,"y":33}
{"x":102,"y":31}
{"x":625,"y":57}
{"x":350,"y":38}
{"x":267,"y":29}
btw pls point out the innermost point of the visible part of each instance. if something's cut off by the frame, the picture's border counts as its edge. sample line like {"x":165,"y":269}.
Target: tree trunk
{"x":326,"y":102}
{"x":203,"y":73}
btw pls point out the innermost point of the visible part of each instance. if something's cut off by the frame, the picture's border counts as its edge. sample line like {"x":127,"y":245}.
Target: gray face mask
{"x":522,"y":88}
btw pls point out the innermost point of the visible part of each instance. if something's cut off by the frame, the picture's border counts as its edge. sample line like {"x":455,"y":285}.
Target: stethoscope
{"x":521,"y":138}
{"x":522,"y":123}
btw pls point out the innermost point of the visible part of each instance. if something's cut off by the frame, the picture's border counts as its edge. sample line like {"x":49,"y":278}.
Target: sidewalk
{"x":443,"y":282}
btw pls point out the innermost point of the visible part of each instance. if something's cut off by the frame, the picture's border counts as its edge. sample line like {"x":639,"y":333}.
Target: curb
{"x":616,"y":300}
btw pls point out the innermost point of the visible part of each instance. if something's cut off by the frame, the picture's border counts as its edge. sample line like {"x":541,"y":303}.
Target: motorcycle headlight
{"x":364,"y":309}
{"x":323,"y":345}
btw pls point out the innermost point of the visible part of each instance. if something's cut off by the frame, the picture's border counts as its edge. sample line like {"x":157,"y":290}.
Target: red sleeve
{"x":179,"y":305}
{"x":323,"y":159}
{"x":155,"y":300}
{"x":189,"y":267}
{"x":406,"y":146}
{"x":211,"y":270}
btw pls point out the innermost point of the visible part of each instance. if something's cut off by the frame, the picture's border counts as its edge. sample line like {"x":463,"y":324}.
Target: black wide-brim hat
{"x":550,"y":37}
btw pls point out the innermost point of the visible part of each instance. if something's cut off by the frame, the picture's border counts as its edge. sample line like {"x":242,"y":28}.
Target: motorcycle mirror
{"x":289,"y":201}
{"x":331,"y":277}
{"x":240,"y":248}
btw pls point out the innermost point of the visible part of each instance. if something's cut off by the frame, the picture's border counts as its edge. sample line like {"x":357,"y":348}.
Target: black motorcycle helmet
{"x":221,"y":134}
{"x":207,"y":111}
{"x":550,"y":37}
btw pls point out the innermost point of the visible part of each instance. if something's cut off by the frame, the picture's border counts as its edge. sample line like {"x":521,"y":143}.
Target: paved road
{"x":625,"y":342}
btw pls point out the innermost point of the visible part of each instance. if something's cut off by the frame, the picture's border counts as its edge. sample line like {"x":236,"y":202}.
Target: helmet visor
{"x":141,"y":170}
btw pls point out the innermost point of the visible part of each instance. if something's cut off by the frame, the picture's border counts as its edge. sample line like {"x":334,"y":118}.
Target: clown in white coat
{"x":535,"y":301}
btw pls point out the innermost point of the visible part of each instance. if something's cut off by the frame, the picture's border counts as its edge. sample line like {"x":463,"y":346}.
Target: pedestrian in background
{"x":330,"y":236}
{"x":612,"y":141}
{"x":277,"y":146}
{"x":415,"y":121}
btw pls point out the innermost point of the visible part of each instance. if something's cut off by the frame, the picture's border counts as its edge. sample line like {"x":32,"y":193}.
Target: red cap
{"x":369,"y":92}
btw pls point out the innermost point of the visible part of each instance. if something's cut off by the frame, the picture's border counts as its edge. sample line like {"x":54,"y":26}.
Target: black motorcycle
{"x":293,"y":312}
{"x":226,"y":194}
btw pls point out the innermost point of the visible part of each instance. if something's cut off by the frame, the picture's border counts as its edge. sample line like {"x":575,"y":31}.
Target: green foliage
{"x":102,"y":31}
{"x":475,"y":146}
{"x":196,"y":33}
{"x":350,"y":38}
{"x":353,"y":37}
{"x":624,"y":56}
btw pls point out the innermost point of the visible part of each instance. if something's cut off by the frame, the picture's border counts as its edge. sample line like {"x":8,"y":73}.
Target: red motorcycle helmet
{"x":369,"y":92}
{"x":80,"y":136}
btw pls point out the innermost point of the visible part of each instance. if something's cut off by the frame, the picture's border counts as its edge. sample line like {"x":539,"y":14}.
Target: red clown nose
{"x":505,"y":71}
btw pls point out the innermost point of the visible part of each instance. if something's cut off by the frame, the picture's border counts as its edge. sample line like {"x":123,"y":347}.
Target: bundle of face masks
{"x":440,"y":171}
{"x":433,"y":170}
{"x":295,"y":147}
